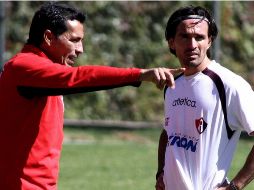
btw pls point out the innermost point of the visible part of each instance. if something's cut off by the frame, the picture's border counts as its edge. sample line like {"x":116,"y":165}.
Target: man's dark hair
{"x":188,"y":12}
{"x":52,"y":16}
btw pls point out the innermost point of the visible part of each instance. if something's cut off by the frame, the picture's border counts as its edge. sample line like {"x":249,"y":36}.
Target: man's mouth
{"x":192,"y":54}
{"x":71,"y":60}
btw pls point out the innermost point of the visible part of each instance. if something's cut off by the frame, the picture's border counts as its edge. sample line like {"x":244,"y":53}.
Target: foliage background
{"x":131,"y":34}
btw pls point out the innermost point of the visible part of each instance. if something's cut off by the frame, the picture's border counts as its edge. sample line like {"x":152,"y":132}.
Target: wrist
{"x":232,"y":186}
{"x":141,"y":76}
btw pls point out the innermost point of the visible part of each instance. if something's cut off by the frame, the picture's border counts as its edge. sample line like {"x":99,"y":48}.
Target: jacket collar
{"x":31,"y":48}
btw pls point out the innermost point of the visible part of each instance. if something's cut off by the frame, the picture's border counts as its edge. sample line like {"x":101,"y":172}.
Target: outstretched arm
{"x":55,"y":79}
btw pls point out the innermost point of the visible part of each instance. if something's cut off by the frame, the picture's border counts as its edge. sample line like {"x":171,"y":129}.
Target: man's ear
{"x":171,"y":44}
{"x":209,"y":42}
{"x":48,"y":37}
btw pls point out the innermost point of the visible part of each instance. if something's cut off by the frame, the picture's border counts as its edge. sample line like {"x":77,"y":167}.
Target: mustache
{"x":191,"y":51}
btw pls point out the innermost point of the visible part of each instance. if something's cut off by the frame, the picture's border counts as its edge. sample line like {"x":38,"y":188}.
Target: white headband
{"x":181,"y":18}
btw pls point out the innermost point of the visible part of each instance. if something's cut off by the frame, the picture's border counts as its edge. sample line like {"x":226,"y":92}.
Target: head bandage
{"x":181,"y":18}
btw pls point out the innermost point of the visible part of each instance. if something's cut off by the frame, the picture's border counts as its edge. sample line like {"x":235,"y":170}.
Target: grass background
{"x":113,"y":159}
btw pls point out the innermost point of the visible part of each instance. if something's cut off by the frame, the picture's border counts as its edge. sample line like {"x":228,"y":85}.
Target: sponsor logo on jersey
{"x":184,"y":102}
{"x":183,"y":141}
{"x":201,"y":125}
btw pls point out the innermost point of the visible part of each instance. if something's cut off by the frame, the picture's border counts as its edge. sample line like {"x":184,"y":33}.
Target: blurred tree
{"x":131,"y":34}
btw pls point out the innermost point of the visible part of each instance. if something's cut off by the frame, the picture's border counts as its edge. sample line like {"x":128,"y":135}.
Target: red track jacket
{"x":31,"y":114}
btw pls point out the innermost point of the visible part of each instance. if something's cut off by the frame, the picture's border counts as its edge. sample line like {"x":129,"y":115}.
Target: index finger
{"x":177,"y":71}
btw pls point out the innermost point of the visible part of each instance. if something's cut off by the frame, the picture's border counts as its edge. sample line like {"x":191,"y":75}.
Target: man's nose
{"x":192,"y":43}
{"x":79,"y":48}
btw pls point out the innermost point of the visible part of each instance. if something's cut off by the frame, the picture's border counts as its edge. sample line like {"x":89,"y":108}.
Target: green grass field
{"x":111,"y":159}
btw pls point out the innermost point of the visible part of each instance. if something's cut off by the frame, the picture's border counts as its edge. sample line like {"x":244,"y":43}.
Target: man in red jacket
{"x":31,"y":87}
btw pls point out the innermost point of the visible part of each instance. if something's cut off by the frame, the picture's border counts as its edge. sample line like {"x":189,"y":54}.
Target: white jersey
{"x":204,"y":116}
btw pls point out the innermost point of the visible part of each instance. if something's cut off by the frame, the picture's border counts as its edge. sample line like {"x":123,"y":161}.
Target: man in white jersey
{"x":205,"y":112}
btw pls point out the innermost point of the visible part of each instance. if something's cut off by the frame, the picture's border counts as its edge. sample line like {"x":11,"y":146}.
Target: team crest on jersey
{"x":201,"y":125}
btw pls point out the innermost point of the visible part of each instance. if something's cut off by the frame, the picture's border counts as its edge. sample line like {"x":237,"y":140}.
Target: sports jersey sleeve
{"x":242,"y":105}
{"x":36,"y":75}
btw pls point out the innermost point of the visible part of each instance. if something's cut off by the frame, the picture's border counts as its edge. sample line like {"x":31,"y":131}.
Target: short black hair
{"x":181,"y":14}
{"x":52,"y":16}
